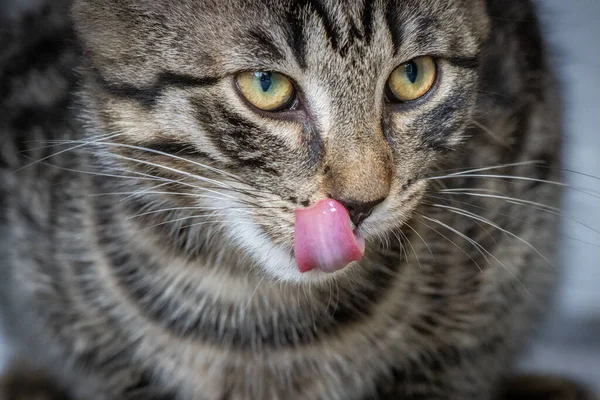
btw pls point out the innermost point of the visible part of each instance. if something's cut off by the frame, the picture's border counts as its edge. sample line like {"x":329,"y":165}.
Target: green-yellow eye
{"x":412,"y":79}
{"x":267,"y":91}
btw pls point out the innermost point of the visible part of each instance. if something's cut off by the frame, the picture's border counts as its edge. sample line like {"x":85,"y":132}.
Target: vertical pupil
{"x":412,"y":71}
{"x":266,"y":80}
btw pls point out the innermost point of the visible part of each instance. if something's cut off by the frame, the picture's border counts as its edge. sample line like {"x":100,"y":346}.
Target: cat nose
{"x":357,"y":210}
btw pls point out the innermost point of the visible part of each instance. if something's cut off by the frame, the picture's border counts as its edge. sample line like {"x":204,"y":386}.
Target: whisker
{"x":142,"y":176}
{"x":477,"y":246}
{"x":413,"y":249}
{"x":491,"y":133}
{"x":470,"y":189}
{"x":483,"y":228}
{"x":469,"y":170}
{"x":166,"y":183}
{"x":249,"y":301}
{"x":490,"y":223}
{"x":480,"y":249}
{"x":172,"y":221}
{"x":529,"y":223}
{"x":452,"y":242}
{"x":172,"y":209}
{"x":144,"y":149}
{"x":507,"y":198}
{"x":402,"y":248}
{"x":175,"y":170}
{"x":205,"y":179}
{"x":518,"y":178}
{"x":579,"y":173}
{"x":60,"y":152}
{"x":155,"y":192}
{"x":101,"y":141}
{"x":422,"y":239}
{"x":57,"y":143}
{"x":221,"y":185}
{"x":534,"y":205}
{"x":234,"y":177}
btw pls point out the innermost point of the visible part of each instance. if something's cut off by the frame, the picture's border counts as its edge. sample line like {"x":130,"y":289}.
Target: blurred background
{"x":570,"y":343}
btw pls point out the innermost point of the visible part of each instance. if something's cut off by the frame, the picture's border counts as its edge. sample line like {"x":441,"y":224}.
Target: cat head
{"x":256,"y":109}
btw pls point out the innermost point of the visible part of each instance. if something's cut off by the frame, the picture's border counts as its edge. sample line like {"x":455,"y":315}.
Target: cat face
{"x":260,"y":108}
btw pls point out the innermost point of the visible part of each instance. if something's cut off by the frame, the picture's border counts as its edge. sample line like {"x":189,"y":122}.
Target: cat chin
{"x":276,"y":261}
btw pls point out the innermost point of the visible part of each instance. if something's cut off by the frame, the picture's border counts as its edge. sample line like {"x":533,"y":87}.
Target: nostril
{"x":359,"y":211}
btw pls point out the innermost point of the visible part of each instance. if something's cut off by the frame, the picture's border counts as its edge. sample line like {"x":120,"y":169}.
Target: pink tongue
{"x":324,"y":238}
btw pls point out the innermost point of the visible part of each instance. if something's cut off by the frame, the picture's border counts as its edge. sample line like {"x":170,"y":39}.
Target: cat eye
{"x":412,"y":80}
{"x":267,"y":91}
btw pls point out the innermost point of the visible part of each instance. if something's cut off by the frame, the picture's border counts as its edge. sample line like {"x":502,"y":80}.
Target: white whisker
{"x":451,"y":241}
{"x":490,"y":223}
{"x":164,"y":210}
{"x":518,"y":178}
{"x":173,"y":221}
{"x":413,"y":249}
{"x":480,"y":249}
{"x":422,"y":239}
{"x":530,"y":204}
{"x":155,"y":192}
{"x":62,"y":152}
{"x":208,"y":167}
{"x":470,"y":170}
{"x":175,"y":170}
{"x":513,"y":200}
{"x":491,"y":133}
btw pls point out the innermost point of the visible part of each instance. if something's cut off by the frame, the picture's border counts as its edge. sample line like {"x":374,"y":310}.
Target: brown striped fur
{"x":150,"y":258}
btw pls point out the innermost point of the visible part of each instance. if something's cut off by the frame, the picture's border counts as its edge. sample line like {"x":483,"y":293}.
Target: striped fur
{"x":150,"y":258}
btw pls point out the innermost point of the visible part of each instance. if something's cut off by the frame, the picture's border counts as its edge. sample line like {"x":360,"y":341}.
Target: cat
{"x":277,"y":199}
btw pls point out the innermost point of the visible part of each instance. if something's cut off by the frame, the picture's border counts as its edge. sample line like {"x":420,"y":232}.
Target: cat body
{"x":147,"y":211}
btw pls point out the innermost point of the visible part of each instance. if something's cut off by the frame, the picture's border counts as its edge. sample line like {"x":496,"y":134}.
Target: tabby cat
{"x":276,"y":199}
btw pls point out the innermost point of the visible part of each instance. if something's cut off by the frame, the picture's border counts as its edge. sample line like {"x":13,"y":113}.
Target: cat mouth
{"x":325,"y":239}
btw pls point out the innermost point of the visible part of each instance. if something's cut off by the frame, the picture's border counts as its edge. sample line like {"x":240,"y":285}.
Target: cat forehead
{"x":222,"y":37}
{"x":338,"y":23}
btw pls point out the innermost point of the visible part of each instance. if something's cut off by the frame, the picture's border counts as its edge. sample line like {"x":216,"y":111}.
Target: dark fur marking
{"x":239,"y":139}
{"x":355,"y":34}
{"x":179,"y":149}
{"x":421,"y":372}
{"x":188,"y":324}
{"x":295,"y":25}
{"x":426,"y":26}
{"x":139,"y":285}
{"x":144,"y":389}
{"x":295,"y":38}
{"x":147,"y":96}
{"x":443,"y":115}
{"x":314,"y":144}
{"x":465,"y":62}
{"x":367,"y":21}
{"x":394,"y":25}
{"x":264,"y":45}
{"x":319,"y":9}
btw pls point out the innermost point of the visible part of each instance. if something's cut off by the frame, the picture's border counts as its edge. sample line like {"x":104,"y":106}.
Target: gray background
{"x":570,"y":344}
